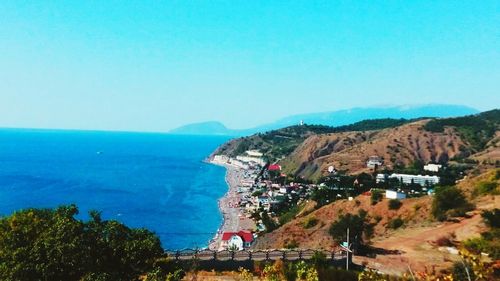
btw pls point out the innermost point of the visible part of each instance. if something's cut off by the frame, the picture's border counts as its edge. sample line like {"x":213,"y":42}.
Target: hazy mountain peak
{"x":202,"y":128}
{"x":334,"y":118}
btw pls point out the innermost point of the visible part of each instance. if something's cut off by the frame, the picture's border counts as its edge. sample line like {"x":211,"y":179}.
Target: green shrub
{"x":292,"y":245}
{"x":359,"y":228}
{"x":319,"y":260}
{"x":486,"y":187}
{"x":268,"y":222}
{"x":489,"y":242}
{"x":396,"y":223}
{"x":476,"y":245}
{"x":290,"y":214}
{"x":376,"y":196}
{"x":492,"y":218}
{"x":394,"y":204}
{"x":449,"y":201}
{"x":459,"y":271}
{"x":481,"y":244}
{"x":310,"y":222}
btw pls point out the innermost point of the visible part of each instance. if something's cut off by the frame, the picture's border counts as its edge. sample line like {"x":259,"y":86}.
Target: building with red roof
{"x":239,"y":240}
{"x":274,"y":167}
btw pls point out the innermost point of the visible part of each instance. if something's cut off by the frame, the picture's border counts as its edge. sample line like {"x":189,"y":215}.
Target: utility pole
{"x":347,"y":252}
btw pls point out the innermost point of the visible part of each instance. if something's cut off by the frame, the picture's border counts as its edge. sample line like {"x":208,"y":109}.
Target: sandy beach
{"x":234,"y":219}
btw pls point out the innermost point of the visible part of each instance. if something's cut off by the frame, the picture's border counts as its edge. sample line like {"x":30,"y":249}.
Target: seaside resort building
{"x":408,"y":179}
{"x":237,"y":240}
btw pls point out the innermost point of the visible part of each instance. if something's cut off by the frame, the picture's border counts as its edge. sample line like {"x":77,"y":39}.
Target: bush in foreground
{"x":489,"y":241}
{"x":449,"y":201}
{"x":376,"y":197}
{"x":396,"y":223}
{"x":50,"y":244}
{"x":394,"y":204}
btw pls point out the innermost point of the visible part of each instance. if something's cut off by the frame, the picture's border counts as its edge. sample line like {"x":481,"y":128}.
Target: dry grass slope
{"x":349,"y":151}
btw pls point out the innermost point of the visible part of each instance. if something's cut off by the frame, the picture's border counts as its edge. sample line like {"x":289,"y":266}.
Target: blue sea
{"x":156,"y":181}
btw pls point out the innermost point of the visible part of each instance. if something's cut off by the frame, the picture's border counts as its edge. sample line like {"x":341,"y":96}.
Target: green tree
{"x":449,"y":201}
{"x":360,"y":230}
{"x":492,"y":218}
{"x":376,"y":196}
{"x":269,"y":223}
{"x":50,"y":244}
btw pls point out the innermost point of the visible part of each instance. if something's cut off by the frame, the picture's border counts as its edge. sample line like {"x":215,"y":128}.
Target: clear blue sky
{"x":154,"y":65}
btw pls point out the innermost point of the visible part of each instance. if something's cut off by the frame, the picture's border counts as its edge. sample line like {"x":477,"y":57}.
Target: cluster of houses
{"x":255,"y":195}
{"x":264,"y":194}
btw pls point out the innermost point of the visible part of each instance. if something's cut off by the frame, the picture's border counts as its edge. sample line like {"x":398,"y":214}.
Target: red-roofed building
{"x":274,"y":167}
{"x":239,"y":240}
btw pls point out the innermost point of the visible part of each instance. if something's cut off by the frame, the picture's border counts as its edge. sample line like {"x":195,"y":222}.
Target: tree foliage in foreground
{"x":51,"y":244}
{"x":360,"y":230}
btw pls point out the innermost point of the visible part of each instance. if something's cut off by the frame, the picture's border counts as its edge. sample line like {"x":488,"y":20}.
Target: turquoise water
{"x":157,"y":181}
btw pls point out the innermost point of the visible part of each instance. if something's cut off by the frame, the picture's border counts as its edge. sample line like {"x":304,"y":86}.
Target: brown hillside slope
{"x":349,"y":151}
{"x":414,"y":243}
{"x":491,"y":154}
{"x":414,"y":211}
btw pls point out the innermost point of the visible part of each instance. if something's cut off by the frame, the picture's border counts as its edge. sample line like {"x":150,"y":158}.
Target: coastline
{"x":233,"y":218}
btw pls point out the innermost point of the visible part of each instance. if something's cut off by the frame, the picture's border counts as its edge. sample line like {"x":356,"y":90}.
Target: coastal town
{"x":260,"y":194}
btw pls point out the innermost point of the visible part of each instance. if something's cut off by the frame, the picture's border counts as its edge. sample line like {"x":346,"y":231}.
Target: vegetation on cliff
{"x":477,"y":129}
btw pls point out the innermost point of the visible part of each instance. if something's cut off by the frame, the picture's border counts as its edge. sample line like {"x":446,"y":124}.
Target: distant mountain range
{"x":332,"y":118}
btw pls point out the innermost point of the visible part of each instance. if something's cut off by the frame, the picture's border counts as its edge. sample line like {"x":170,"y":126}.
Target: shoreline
{"x":232,"y":216}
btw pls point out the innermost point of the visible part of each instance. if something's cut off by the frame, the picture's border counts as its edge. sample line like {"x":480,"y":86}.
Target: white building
{"x":392,"y":194}
{"x":236,"y":240}
{"x":374,"y":161}
{"x":220,"y":159}
{"x":249,"y":159}
{"x":408,"y":179}
{"x":254,"y":153}
{"x":432,"y":167}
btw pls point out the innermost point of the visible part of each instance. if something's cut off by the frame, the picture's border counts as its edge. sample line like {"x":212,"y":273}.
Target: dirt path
{"x":416,"y":247}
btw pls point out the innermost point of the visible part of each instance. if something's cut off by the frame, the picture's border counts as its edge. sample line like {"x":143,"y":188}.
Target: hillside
{"x":275,"y":144}
{"x":307,"y":151}
{"x":349,"y":151}
{"x":414,"y":241}
{"x":280,"y":143}
{"x":433,"y":140}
